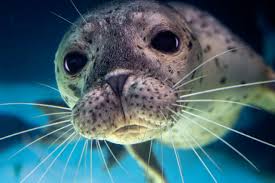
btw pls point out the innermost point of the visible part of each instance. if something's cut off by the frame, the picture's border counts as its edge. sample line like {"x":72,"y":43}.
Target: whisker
{"x":231,"y":129}
{"x":44,"y":136}
{"x":206,"y":62}
{"x":55,"y":89}
{"x":58,"y":155}
{"x":48,"y":86}
{"x":69,"y":157}
{"x":72,"y":2}
{"x":192,"y":108}
{"x":85,"y":157}
{"x":204,"y":152}
{"x":227,"y":88}
{"x":52,"y":114}
{"x":190,"y":81}
{"x":201,"y":160}
{"x":66,"y":20}
{"x":122,"y":167}
{"x":44,"y":160}
{"x":178,"y":160}
{"x":181,"y":91}
{"x":215,"y":135}
{"x":80,"y":160}
{"x":223,"y":101}
{"x":60,"y":137}
{"x":37,"y":104}
{"x":101,"y":152}
{"x":91,"y":160}
{"x":149,"y":156}
{"x":33,"y":129}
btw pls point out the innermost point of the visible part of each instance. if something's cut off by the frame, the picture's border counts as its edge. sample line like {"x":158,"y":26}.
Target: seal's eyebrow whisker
{"x":102,"y":156}
{"x":54,"y":89}
{"x":69,"y":158}
{"x":215,"y":135}
{"x":115,"y":158}
{"x":62,"y":18}
{"x":46,"y":158}
{"x":58,"y":155}
{"x":230,"y":129}
{"x":206,"y":62}
{"x":72,"y":2}
{"x":218,"y":100}
{"x":227,"y":88}
{"x":201,"y":160}
{"x":188,"y":82}
{"x":33,"y":129}
{"x":36,"y":104}
{"x":80,"y":160}
{"x":40,"y":138}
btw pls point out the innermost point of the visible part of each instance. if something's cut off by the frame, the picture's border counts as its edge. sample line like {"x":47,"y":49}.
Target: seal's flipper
{"x":141,"y":153}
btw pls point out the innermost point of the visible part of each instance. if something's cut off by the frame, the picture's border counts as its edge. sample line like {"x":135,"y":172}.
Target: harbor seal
{"x":137,"y":71}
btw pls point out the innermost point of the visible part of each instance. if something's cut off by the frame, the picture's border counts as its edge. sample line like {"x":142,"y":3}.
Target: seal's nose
{"x":117,"y":82}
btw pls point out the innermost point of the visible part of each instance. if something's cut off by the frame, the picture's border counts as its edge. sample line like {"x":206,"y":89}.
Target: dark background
{"x":30,"y":34}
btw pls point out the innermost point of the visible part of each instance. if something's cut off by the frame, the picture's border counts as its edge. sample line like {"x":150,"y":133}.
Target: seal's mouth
{"x":137,"y":114}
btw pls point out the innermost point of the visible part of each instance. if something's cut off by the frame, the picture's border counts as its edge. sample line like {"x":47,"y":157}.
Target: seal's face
{"x":116,"y":70}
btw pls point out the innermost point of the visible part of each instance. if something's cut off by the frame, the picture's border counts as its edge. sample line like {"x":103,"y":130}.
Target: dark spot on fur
{"x":76,"y":90}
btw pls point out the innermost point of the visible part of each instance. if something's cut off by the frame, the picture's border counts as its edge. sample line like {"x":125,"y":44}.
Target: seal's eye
{"x":166,"y":41}
{"x":74,"y":62}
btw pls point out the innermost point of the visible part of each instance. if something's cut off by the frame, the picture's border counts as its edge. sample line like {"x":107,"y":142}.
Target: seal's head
{"x":116,"y":70}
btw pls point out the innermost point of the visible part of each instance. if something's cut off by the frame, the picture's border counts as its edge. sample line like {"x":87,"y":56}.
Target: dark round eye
{"x":166,"y":41}
{"x":74,"y":62}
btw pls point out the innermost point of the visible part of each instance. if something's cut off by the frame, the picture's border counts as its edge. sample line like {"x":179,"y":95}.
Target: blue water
{"x":29,"y":37}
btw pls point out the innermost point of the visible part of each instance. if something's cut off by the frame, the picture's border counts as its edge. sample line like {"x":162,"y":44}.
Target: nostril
{"x":117,"y":82}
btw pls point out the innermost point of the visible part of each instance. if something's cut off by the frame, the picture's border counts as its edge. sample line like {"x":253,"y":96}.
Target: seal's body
{"x":132,"y":72}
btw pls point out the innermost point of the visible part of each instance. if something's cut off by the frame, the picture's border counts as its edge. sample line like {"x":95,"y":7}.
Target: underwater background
{"x":29,"y":36}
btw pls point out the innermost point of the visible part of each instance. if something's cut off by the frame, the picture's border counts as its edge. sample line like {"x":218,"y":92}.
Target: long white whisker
{"x":78,"y":11}
{"x":192,"y":108}
{"x":204,"y":152}
{"x":121,"y":166}
{"x":204,"y":63}
{"x":48,"y":86}
{"x":201,"y":160}
{"x":44,"y":136}
{"x":101,"y":152}
{"x":37,"y":104}
{"x":230,"y":129}
{"x":60,"y":137}
{"x":178,"y":160}
{"x":227,"y":88}
{"x":52,"y":114}
{"x":85,"y":157}
{"x":33,"y":129}
{"x":69,"y":158}
{"x":54,"y":160}
{"x":80,"y":160}
{"x":44,"y":160}
{"x":149,"y":156}
{"x":66,"y":20}
{"x":91,"y":160}
{"x":215,"y":135}
{"x":190,"y":81}
{"x":223,"y":101}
